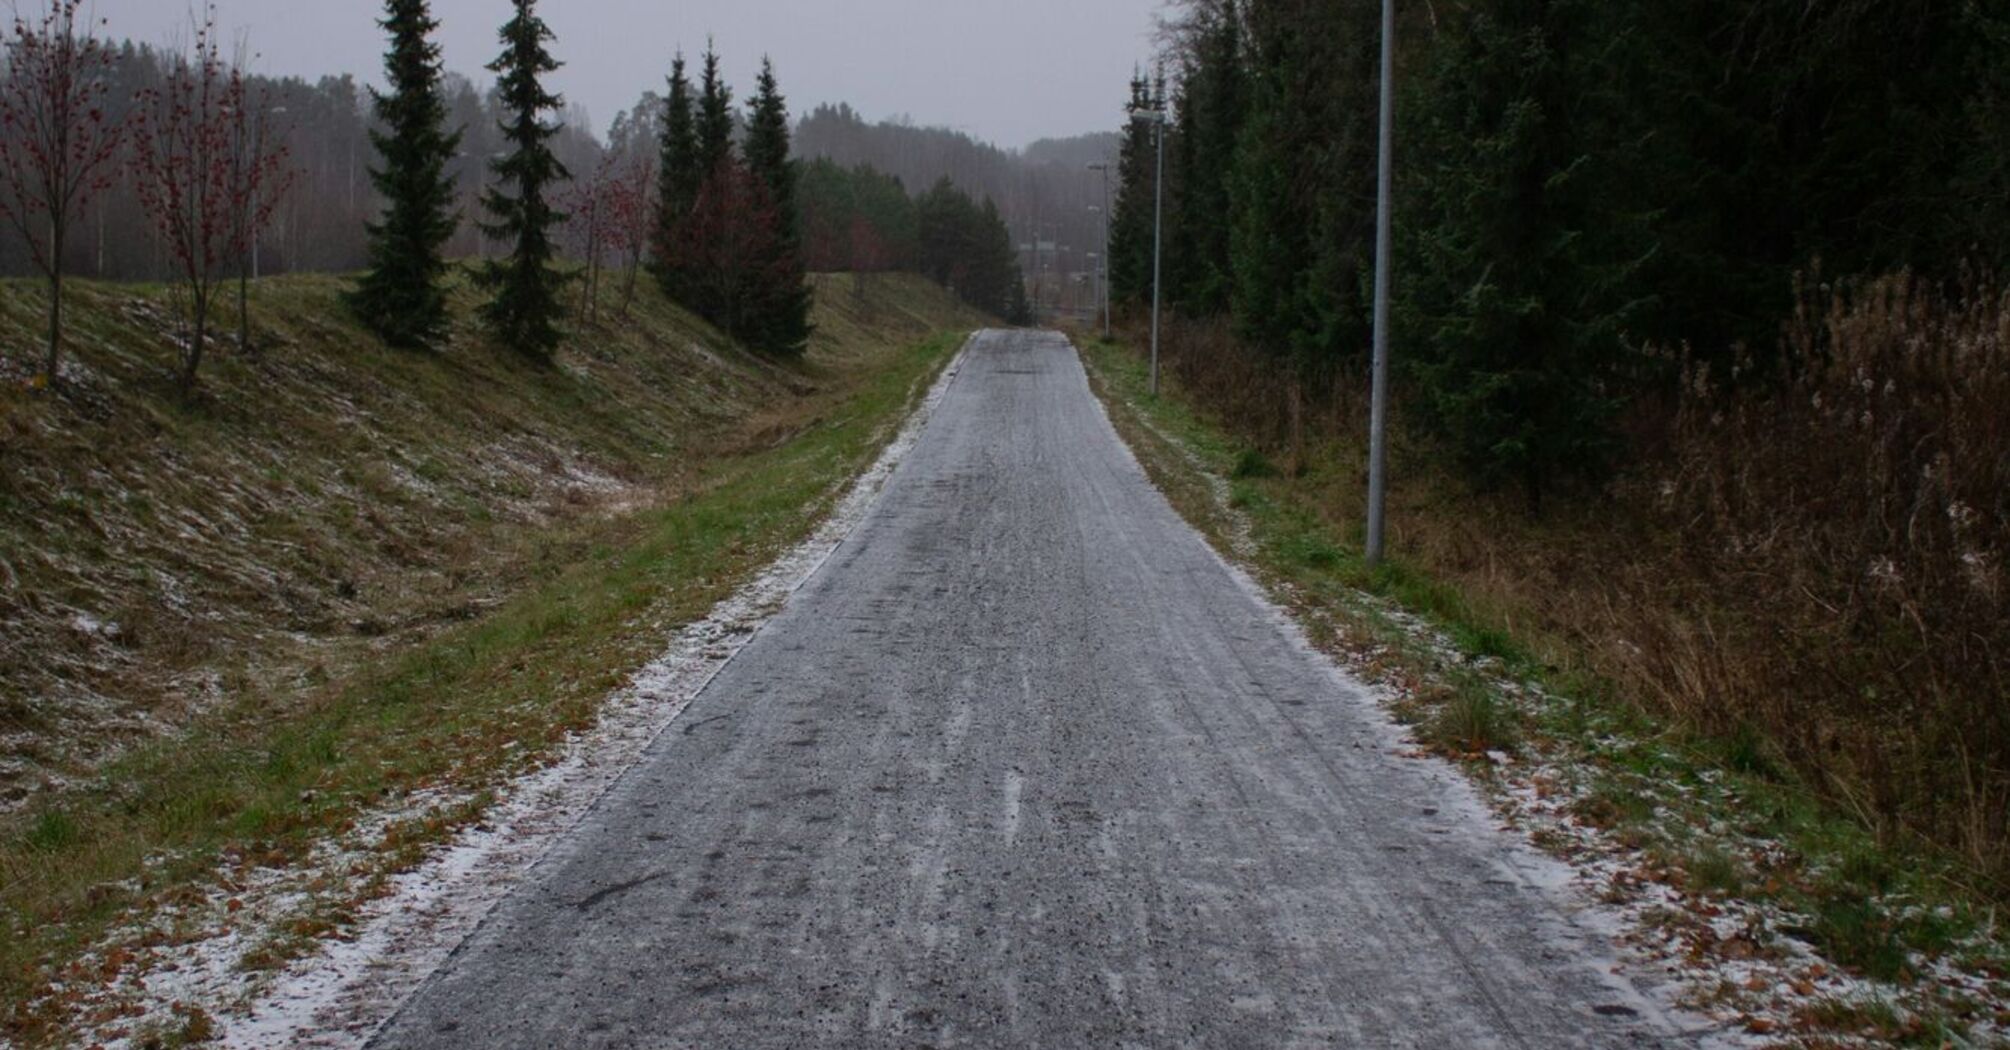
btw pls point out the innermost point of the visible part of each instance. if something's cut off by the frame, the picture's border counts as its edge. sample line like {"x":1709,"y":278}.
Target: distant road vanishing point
{"x":1025,"y":764}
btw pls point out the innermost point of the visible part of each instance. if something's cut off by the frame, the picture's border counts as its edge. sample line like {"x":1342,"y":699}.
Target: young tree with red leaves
{"x":205,"y":183}
{"x":611,"y":213}
{"x":57,"y":142}
{"x":585,"y":204}
{"x":631,"y":207}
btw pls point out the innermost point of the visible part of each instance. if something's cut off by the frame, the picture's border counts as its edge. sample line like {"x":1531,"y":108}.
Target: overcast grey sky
{"x":1007,"y":71}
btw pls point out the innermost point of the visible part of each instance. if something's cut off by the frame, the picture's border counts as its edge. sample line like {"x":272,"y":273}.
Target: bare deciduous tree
{"x":632,"y":217}
{"x":586,"y":223}
{"x":206,"y":184}
{"x":609,"y":214}
{"x":57,"y":141}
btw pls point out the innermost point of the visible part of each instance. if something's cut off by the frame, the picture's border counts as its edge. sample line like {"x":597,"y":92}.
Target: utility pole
{"x":1378,"y":441}
{"x":1103,"y":265}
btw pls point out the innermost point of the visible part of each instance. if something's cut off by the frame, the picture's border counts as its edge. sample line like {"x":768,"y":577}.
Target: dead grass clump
{"x":1807,"y":561}
{"x":1856,"y":507}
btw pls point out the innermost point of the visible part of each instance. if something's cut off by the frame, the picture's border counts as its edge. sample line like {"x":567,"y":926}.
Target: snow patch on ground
{"x":338,"y":997}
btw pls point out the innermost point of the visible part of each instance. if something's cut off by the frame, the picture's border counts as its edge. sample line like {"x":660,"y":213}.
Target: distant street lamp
{"x":1096,"y":276}
{"x":1156,"y":115}
{"x":1103,"y":272}
{"x":1378,"y":445}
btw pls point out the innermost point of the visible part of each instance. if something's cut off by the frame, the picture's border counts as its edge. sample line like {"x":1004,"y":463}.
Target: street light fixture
{"x":1157,"y":116}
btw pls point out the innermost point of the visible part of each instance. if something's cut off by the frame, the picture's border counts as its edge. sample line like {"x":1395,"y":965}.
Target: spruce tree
{"x":1304,"y":184}
{"x":679,"y":179}
{"x":715,"y":118}
{"x":767,"y":145}
{"x":524,"y":310}
{"x":401,"y":298}
{"x":1131,"y":225}
{"x":1211,"y":115}
{"x":1521,"y":258}
{"x":1020,"y":310}
{"x":778,"y":287}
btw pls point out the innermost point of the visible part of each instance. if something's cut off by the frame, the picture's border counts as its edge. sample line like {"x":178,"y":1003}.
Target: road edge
{"x":342,"y":995}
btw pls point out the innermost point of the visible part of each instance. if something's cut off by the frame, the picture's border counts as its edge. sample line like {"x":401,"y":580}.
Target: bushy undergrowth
{"x":1849,"y":521}
{"x":1808,"y":564}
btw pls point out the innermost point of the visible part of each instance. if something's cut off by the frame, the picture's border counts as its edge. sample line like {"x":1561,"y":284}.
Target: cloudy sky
{"x":1008,"y":71}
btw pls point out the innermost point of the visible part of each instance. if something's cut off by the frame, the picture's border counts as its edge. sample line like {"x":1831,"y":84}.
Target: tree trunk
{"x":244,"y":309}
{"x":192,"y":360}
{"x":54,"y":358}
{"x":628,"y":293}
{"x":55,"y":326}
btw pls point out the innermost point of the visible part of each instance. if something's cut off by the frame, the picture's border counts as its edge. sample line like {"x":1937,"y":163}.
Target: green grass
{"x":479,"y":697}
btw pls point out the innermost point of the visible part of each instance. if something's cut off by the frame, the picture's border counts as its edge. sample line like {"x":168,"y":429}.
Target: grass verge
{"x":1690,"y":829}
{"x":261,"y":784}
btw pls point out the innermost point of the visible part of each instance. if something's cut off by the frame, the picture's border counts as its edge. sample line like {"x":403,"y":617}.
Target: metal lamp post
{"x":1157,"y":116}
{"x":1378,"y":447}
{"x":1103,"y":267}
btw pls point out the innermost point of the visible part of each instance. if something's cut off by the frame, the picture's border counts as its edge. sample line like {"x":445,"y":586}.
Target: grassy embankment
{"x":1718,"y":816}
{"x":345,"y":574}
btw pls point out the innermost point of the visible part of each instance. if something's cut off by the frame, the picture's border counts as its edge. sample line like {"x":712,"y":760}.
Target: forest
{"x":1700,"y":346}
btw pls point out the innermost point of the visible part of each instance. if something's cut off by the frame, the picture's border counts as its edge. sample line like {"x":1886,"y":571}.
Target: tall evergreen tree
{"x":767,"y":145}
{"x":777,"y":288}
{"x":997,"y":284}
{"x":524,"y":310}
{"x":401,"y":298}
{"x":1522,"y":259}
{"x":679,"y":179}
{"x":967,"y":248}
{"x":1303,"y":189}
{"x":1210,"y":127}
{"x":1131,"y":223}
{"x":715,"y":117}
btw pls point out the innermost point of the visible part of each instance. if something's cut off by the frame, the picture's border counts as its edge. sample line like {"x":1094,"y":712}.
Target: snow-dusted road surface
{"x":1025,"y":764}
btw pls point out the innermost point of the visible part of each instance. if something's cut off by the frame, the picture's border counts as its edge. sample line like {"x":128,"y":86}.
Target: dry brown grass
{"x":1858,"y":511}
{"x":1812,"y":564}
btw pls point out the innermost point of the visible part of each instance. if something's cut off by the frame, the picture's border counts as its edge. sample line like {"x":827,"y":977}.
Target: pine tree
{"x":401,"y":298}
{"x":767,"y":145}
{"x":1131,"y":225}
{"x":1303,"y":187}
{"x":1521,"y":259}
{"x":995,"y":269}
{"x":523,"y":313}
{"x":967,"y":248}
{"x":715,"y":118}
{"x":1211,"y":115}
{"x":679,"y":178}
{"x":777,"y":289}
{"x":1020,"y":310}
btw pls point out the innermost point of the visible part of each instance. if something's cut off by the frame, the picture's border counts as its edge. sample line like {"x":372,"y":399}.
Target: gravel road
{"x":1025,"y":764}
